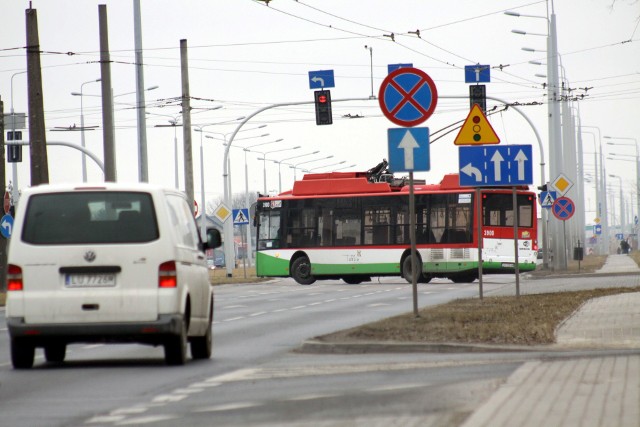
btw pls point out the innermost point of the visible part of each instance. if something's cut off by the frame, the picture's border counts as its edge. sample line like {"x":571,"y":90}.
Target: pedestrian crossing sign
{"x":240,"y":216}
{"x":547,"y":198}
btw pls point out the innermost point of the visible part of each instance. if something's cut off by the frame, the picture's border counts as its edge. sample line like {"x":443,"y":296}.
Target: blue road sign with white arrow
{"x":597,"y":229}
{"x":477,"y":73}
{"x":495,"y":165}
{"x":321,"y":79}
{"x":409,"y":149}
{"x":6,"y":226}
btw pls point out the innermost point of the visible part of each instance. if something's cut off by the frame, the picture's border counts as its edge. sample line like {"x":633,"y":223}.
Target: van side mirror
{"x":214,"y":240}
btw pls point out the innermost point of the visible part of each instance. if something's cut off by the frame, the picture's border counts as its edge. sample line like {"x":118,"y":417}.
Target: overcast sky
{"x":244,"y":55}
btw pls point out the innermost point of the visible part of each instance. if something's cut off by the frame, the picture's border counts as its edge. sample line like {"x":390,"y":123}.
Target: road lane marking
{"x":234,"y":318}
{"x":259,"y":313}
{"x":230,"y":407}
{"x":146,"y":420}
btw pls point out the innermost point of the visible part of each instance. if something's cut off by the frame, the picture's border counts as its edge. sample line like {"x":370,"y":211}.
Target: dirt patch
{"x":527,"y":320}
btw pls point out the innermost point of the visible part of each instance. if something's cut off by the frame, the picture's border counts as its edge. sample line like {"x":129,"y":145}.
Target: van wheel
{"x":301,"y":271}
{"x":22,"y":354}
{"x":175,"y":347}
{"x":55,"y":353}
{"x":201,"y":346}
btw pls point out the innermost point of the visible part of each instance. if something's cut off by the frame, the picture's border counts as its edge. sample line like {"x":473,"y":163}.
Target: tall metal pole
{"x":107,"y":98}
{"x":82,"y":140}
{"x":203,"y":215}
{"x":37,"y":134}
{"x":143,"y":169}
{"x":555,"y":135}
{"x":15,"y":193}
{"x":186,"y":123}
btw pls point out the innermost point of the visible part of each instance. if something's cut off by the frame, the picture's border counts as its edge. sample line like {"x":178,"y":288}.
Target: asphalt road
{"x":254,"y":377}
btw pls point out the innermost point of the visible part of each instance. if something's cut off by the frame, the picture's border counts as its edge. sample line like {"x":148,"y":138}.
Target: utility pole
{"x":37,"y":136}
{"x":186,"y":125}
{"x":3,"y":186}
{"x":143,"y":168}
{"x":107,"y":98}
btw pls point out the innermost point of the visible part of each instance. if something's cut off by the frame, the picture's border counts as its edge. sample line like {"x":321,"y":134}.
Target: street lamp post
{"x":249,"y":254}
{"x":82,"y":140}
{"x":279,"y":162}
{"x":556,"y":159}
{"x":603,"y":212}
{"x":635,"y":144}
{"x":264,"y":162}
{"x":81,"y":94}
{"x":622,"y":219}
{"x":295,"y":167}
{"x":174,"y":124}
{"x":327,"y":166}
{"x":345,"y":167}
{"x":15,"y":194}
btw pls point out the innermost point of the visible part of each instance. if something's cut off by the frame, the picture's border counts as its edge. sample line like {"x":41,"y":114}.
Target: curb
{"x":574,"y":275}
{"x":361,"y":347}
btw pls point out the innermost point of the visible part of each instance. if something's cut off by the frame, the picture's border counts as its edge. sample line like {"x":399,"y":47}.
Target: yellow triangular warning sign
{"x":476,"y":130}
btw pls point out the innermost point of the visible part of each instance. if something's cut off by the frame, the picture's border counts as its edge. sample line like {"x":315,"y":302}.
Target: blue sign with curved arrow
{"x":505,"y":165}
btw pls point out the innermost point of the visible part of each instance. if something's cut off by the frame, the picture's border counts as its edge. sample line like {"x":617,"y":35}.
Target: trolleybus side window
{"x":269,"y":229}
{"x":301,"y":227}
{"x":347,"y":227}
{"x":498,"y":210}
{"x":402,"y":224}
{"x":451,"y":218}
{"x":377,"y":225}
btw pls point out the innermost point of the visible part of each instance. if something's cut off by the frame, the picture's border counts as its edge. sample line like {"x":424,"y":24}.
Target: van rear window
{"x":90,"y":217}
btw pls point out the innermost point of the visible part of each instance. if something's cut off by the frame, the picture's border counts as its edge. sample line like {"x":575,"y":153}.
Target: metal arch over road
{"x":228,"y":226}
{"x":66,"y":144}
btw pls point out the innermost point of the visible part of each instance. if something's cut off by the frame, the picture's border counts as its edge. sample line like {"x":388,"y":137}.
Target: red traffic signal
{"x":323,"y":107}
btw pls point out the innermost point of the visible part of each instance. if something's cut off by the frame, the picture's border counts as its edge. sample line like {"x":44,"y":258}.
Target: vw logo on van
{"x":89,"y":256}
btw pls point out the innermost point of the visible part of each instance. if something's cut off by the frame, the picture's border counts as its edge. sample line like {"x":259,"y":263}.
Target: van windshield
{"x":90,"y":217}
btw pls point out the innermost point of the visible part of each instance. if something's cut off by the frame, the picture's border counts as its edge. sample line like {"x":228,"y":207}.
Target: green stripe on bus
{"x":271,"y":266}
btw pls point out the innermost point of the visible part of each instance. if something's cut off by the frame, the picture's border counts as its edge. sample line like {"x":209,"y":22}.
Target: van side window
{"x":183,"y":221}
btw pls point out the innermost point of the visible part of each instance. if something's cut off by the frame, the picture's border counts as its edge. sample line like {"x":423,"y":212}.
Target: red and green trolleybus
{"x":355,"y":225}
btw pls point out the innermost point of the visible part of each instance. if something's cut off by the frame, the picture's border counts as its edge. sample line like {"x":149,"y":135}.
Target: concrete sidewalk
{"x":590,"y":391}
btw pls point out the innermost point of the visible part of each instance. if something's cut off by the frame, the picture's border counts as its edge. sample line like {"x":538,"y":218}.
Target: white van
{"x":110,"y":263}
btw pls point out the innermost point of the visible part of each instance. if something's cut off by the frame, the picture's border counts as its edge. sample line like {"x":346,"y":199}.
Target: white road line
{"x":315,"y":303}
{"x":298,"y":307}
{"x":280,"y":310}
{"x":146,"y":420}
{"x":396,"y":387}
{"x":260,"y":313}
{"x":234,"y":318}
{"x":229,"y":407}
{"x":311,"y":397}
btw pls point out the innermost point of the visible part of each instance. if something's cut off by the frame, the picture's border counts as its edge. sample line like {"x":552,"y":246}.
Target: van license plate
{"x":89,"y":280}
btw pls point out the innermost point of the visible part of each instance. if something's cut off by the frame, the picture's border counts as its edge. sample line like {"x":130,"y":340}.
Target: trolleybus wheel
{"x":301,"y":271}
{"x":406,"y":269}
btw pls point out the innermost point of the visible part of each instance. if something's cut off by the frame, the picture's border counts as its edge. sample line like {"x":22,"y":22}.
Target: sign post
{"x":408,"y":97}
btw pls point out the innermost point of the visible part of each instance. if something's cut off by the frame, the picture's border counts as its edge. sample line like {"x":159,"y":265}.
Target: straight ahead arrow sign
{"x":408,"y":144}
{"x":497,"y":159}
{"x":408,"y":149}
{"x":521,"y":158}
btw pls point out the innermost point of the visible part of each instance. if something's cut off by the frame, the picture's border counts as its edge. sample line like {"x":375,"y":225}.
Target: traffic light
{"x":323,"y":107}
{"x":478,"y":95}
{"x":542,"y":187}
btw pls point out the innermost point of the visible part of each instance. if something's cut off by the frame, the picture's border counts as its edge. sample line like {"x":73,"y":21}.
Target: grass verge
{"x":527,"y":320}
